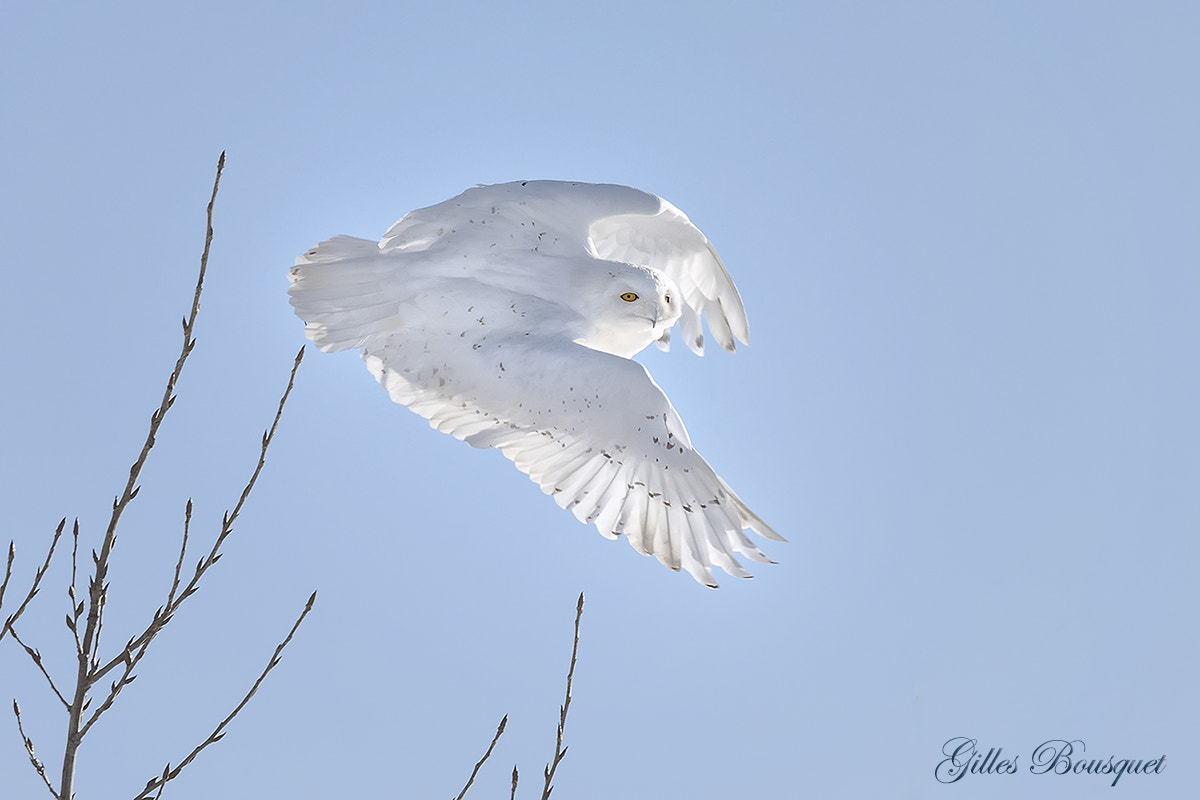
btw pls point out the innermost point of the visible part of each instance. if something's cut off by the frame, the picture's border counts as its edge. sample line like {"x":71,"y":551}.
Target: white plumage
{"x":506,"y":316}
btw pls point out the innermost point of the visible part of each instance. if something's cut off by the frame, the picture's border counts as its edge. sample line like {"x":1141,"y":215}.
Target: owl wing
{"x":610,"y":222}
{"x":593,"y":430}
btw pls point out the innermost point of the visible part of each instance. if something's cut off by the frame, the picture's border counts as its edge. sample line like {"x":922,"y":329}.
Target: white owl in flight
{"x":507,"y":316}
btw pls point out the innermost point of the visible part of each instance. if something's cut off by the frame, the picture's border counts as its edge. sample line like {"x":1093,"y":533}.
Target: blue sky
{"x":966,"y":238}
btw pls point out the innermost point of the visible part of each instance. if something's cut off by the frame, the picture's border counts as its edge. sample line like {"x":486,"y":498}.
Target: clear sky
{"x":967,"y":236}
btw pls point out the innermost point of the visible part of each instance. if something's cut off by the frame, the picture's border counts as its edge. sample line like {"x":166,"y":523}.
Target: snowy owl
{"x":507,"y":316}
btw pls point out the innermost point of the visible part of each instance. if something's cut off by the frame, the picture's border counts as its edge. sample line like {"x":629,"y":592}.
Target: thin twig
{"x":169,"y":773}
{"x":12,"y":556}
{"x":164,"y":614}
{"x":187,"y":524}
{"x":86,"y":674}
{"x":38,"y":766}
{"x":513,"y":796}
{"x":36,"y":657}
{"x":137,"y":646}
{"x":86,"y":617}
{"x":77,"y":604}
{"x":74,"y":559}
{"x":486,"y":756}
{"x":559,"y":751}
{"x":126,"y":678}
{"x":266,"y":440}
{"x":37,"y":578}
{"x":94,"y":658}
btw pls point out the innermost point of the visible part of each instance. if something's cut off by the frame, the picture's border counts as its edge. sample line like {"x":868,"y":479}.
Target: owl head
{"x":627,"y":307}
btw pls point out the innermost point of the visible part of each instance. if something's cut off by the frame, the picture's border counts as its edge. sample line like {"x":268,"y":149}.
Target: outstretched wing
{"x":610,"y":222}
{"x":593,"y":430}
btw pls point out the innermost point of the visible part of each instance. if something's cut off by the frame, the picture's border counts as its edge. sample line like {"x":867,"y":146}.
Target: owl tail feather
{"x":340,"y":289}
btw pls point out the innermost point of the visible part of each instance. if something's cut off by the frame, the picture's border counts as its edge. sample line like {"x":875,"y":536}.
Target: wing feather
{"x":614,"y":452}
{"x":634,"y":516}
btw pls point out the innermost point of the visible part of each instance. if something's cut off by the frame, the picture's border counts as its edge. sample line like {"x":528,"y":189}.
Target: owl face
{"x":628,"y":307}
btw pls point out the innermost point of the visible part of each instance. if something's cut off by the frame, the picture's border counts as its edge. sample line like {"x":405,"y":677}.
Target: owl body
{"x":507,"y":317}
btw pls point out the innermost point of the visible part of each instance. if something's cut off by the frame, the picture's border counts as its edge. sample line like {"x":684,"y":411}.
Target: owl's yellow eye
{"x":629,"y":297}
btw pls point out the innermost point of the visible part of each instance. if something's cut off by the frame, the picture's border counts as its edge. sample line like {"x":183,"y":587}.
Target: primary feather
{"x":506,"y":316}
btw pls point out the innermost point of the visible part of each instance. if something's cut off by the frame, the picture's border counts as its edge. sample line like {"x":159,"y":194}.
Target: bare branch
{"x":36,"y":657}
{"x":267,"y":437}
{"x":94,"y":658}
{"x":486,"y":756}
{"x":12,"y":556}
{"x":137,"y":646}
{"x":169,"y":773}
{"x":85,"y":619}
{"x":177,"y":598}
{"x":86,"y":674}
{"x":74,"y":560}
{"x":559,"y":751}
{"x":37,"y":577}
{"x":187,"y":524}
{"x":115,"y":688}
{"x":77,"y":604}
{"x":38,"y":766}
{"x":513,"y":796}
{"x":168,"y":398}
